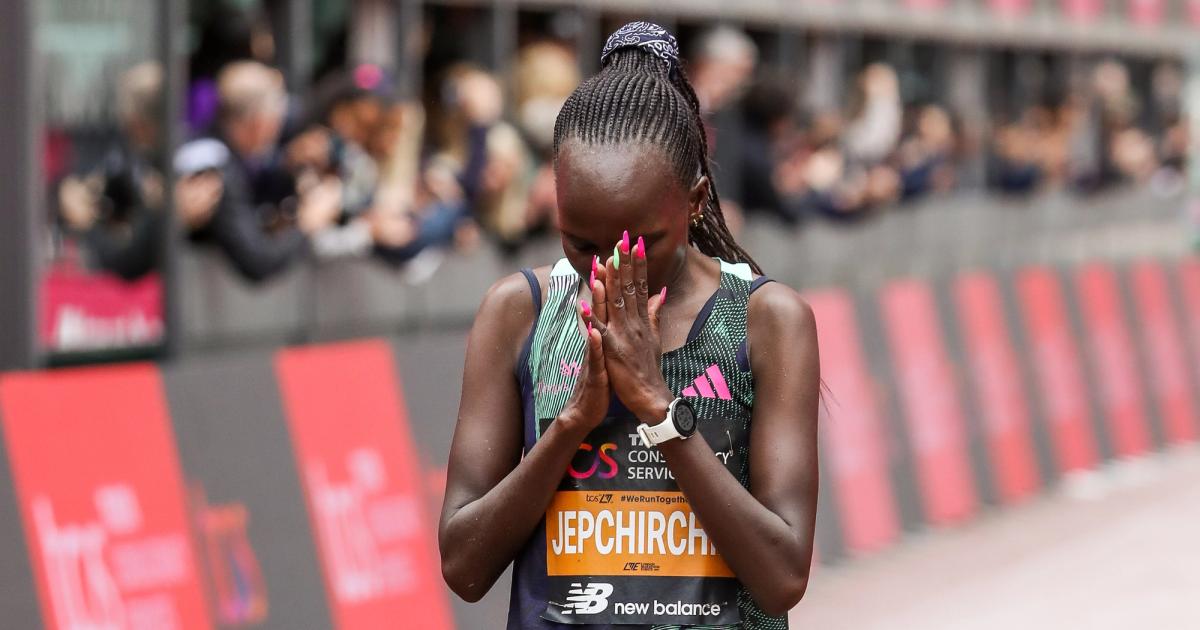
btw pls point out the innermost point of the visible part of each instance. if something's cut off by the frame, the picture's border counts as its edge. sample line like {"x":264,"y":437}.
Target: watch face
{"x":685,"y":418}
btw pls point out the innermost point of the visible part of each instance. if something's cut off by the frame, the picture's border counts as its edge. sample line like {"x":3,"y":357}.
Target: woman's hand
{"x":589,"y":402}
{"x":626,"y":318}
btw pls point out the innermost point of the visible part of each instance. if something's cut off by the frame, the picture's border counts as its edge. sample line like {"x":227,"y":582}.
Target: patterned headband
{"x":648,"y":36}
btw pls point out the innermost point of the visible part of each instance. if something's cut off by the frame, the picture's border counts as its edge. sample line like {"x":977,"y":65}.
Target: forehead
{"x":633,"y":184}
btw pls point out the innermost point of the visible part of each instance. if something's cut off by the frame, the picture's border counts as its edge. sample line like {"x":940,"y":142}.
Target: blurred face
{"x":604,"y":190}
{"x":256,"y":133}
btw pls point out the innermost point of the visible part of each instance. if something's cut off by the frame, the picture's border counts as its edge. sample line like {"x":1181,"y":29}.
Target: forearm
{"x":481,"y":538}
{"x":761,"y":548}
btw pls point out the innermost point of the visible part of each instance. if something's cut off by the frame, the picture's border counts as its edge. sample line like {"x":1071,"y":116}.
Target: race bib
{"x":622,"y":543}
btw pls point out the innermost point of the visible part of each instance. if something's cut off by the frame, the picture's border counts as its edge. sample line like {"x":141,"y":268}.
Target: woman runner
{"x":642,"y":444}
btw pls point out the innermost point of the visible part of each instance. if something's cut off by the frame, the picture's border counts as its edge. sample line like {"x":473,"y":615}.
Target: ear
{"x":698,"y":196}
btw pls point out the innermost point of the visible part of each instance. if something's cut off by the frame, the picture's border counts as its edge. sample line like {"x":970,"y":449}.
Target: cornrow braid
{"x":639,"y":96}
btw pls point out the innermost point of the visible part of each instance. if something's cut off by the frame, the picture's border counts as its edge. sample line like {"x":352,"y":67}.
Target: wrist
{"x":653,"y":409}
{"x":573,"y":423}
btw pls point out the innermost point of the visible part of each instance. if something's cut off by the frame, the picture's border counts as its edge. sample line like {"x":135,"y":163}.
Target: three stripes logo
{"x":710,"y":384}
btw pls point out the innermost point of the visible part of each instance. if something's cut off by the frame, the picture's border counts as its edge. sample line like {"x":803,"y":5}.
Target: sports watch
{"x":679,"y":423}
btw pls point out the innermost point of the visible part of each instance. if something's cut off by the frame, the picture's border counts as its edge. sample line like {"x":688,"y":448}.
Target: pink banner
{"x":1058,"y":371}
{"x":1010,"y":8}
{"x":1163,"y":342}
{"x":852,"y":430}
{"x":83,"y":311}
{"x":929,"y":396}
{"x":1085,"y":11}
{"x":997,"y":380}
{"x":1146,"y":12}
{"x":1114,"y":359}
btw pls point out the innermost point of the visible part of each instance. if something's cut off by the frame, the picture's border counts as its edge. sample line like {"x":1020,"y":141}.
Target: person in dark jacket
{"x":263,"y":216}
{"x":115,"y":208}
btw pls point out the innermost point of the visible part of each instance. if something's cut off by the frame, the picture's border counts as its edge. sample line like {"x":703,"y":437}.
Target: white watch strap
{"x":660,"y":432}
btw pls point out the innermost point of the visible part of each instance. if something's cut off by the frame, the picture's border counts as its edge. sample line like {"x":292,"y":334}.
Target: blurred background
{"x":242,"y":242}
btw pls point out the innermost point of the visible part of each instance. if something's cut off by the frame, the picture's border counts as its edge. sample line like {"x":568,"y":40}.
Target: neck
{"x":691,"y":274}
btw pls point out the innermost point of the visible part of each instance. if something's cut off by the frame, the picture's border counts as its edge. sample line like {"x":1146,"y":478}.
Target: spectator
{"x":722,"y":64}
{"x":771,"y":134}
{"x":117,"y":208}
{"x":925,"y":156}
{"x":485,"y":156}
{"x":546,"y":74}
{"x":874,"y":130}
{"x":261,"y":220}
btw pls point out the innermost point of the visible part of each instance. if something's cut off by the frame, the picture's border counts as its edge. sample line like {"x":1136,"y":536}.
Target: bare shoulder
{"x":507,"y":310}
{"x":776,"y":308}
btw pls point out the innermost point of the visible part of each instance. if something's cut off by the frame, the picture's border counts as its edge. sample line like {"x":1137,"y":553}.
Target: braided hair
{"x":642,"y":95}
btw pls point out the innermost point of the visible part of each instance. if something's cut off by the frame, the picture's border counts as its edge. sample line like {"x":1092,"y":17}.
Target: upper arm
{"x":783,"y":440}
{"x":489,"y":435}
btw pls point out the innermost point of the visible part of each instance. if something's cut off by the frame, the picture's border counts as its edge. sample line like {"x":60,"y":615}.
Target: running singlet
{"x":619,"y":545}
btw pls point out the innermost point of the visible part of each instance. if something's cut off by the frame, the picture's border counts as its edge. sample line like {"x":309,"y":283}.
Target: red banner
{"x":929,"y":395}
{"x":101,"y":495}
{"x":1114,"y":359}
{"x":83,"y":311}
{"x":364,"y":486}
{"x":1057,"y":369}
{"x":852,"y":430}
{"x":1164,"y":344}
{"x":997,"y":380}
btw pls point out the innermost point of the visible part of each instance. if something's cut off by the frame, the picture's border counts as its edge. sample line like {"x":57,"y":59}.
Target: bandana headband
{"x":648,"y":36}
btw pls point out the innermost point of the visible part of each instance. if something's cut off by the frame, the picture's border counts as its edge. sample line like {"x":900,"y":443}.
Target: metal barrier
{"x":349,"y":298}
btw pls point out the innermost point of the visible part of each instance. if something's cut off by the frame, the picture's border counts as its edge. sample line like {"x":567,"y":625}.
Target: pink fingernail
{"x":625,"y":242}
{"x":662,"y":296}
{"x":589,"y":329}
{"x":587,"y":310}
{"x":641,"y":248}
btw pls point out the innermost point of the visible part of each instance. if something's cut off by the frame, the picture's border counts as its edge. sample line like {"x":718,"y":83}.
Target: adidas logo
{"x":701,"y":386}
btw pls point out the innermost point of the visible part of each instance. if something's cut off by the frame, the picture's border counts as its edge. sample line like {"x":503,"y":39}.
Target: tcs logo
{"x":601,"y":457}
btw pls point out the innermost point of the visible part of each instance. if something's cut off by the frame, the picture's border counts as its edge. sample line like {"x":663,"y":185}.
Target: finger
{"x":595,"y":358}
{"x":653,"y":307}
{"x":585,"y":315}
{"x":613,"y":296}
{"x":595,"y":324}
{"x":639,"y":276}
{"x":596,"y":285}
{"x":628,"y":288}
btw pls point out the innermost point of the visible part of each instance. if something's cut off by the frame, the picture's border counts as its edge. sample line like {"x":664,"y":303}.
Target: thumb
{"x":652,"y":308}
{"x":595,"y":352}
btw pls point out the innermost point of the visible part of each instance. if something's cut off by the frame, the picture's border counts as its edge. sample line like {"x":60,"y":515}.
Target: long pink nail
{"x":641,"y":248}
{"x":587,"y":310}
{"x":589,"y":329}
{"x":662,"y":296}
{"x":625,"y":242}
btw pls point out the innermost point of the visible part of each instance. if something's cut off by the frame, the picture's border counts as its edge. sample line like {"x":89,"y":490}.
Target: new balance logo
{"x":702,"y":388}
{"x":587,"y":600}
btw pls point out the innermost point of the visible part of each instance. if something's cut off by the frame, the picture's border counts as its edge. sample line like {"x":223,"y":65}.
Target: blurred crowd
{"x":271,"y":174}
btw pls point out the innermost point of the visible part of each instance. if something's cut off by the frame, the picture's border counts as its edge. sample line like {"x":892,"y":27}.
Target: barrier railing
{"x":350,"y":298}
{"x":295,"y":487}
